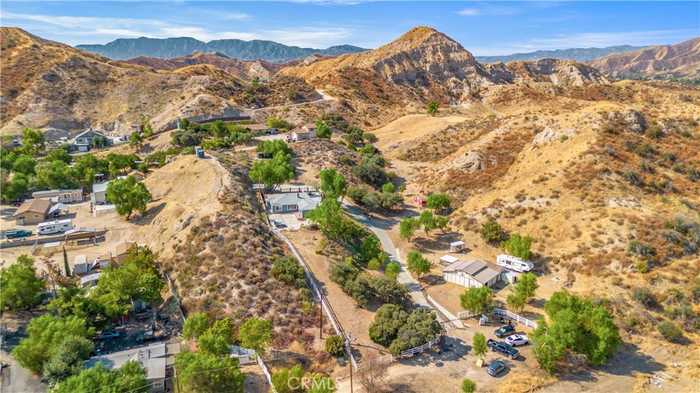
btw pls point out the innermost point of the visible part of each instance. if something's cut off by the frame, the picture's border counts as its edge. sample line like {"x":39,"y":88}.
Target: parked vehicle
{"x":109,"y":335}
{"x":504,"y":348}
{"x":517,"y":340}
{"x":505,"y":330}
{"x":514,"y":263}
{"x":279,"y":224}
{"x":52,"y":227}
{"x":496,"y":368}
{"x":17,"y":233}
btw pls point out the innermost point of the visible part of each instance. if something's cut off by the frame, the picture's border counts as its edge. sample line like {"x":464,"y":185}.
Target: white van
{"x":514,"y":263}
{"x":52,"y":227}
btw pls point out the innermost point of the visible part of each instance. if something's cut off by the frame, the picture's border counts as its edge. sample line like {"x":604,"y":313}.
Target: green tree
{"x":45,"y":334}
{"x":55,"y":174}
{"x":432,"y":108}
{"x":518,"y":246}
{"x":288,"y":380}
{"x":438,"y":202}
{"x":526,"y":286}
{"x":427,"y":220}
{"x":86,"y":167}
{"x":217,"y":339}
{"x":441,"y":222}
{"x":32,"y":141}
{"x":119,"y":164}
{"x":468,"y":386}
{"x":477,"y":300}
{"x":479,"y":345}
{"x":195,"y":325}
{"x":516,"y":301}
{"x":15,"y":188}
{"x":68,"y":358}
{"x":59,"y":154}
{"x":575,"y":325}
{"x":418,"y":264}
{"x":128,"y":195}
{"x":392,"y":270}
{"x":73,"y":301}
{"x":136,"y":140}
{"x":24,"y":164}
{"x":21,"y":288}
{"x":492,"y":232}
{"x":146,"y":127}
{"x":276,"y":122}
{"x":389,"y":188}
{"x":272,"y":172}
{"x":273,"y":147}
{"x":333,"y":184}
{"x":323,"y":130}
{"x":255,"y":333}
{"x":386,"y":324}
{"x":136,"y":278}
{"x":335,"y":346}
{"x":130,"y":377}
{"x":408,"y":227}
{"x":203,"y":372}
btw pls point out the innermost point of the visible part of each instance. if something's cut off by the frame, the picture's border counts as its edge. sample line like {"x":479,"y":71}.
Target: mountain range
{"x":127,"y":48}
{"x":681,"y":61}
{"x":577,"y":54}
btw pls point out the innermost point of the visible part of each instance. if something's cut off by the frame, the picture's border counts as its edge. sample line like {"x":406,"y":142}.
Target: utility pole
{"x":350,"y":363}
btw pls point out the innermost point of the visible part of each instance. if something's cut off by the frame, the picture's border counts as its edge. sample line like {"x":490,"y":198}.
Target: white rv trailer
{"x":514,"y":263}
{"x":52,"y":227}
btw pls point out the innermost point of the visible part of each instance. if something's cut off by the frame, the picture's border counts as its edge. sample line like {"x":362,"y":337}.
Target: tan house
{"x":32,"y":211}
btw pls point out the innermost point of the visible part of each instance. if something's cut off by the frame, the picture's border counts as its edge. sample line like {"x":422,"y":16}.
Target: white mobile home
{"x":472,"y":274}
{"x":53,"y":227}
{"x":60,"y":196}
{"x":292,"y":202}
{"x":514,"y":263}
{"x":99,"y":193}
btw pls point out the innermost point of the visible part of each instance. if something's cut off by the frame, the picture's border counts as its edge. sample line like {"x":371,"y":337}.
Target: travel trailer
{"x":514,"y":263}
{"x":52,"y":227}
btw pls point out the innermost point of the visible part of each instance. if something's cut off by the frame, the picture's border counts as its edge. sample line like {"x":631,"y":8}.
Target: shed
{"x":447,"y":260}
{"x":457,"y":246}
{"x":244,"y":355}
{"x":32,"y":211}
{"x":472,"y":274}
{"x":99,"y":193}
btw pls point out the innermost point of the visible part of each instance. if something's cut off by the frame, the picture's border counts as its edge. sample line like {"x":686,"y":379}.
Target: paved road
{"x":378,"y":226}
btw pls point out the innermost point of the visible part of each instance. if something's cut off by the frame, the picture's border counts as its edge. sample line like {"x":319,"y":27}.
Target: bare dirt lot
{"x":183,"y":191}
{"x":354,"y":320}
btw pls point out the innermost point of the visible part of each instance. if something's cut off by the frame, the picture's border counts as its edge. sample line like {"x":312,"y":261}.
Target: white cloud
{"x":469,"y":12}
{"x":308,"y":36}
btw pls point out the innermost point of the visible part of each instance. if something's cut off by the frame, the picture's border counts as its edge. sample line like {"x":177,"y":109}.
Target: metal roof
{"x":479,"y":270}
{"x":304,"y":200}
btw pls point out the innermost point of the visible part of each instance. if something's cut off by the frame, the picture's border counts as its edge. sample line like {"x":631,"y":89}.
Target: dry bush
{"x":373,"y":373}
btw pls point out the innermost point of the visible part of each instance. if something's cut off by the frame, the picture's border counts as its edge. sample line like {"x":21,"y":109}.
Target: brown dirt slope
{"x":681,"y":60}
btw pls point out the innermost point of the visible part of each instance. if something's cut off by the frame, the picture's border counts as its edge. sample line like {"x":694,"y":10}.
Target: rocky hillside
{"x":241,"y":69}
{"x":424,"y":64}
{"x":657,"y":62}
{"x":127,"y":48}
{"x":49,"y":84}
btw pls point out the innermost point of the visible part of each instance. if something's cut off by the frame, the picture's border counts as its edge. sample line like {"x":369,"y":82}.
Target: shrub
{"x":644,"y":296}
{"x":438,"y":202}
{"x":518,"y":246}
{"x":670,"y":331}
{"x":334,"y":345}
{"x":641,"y":249}
{"x":468,"y":386}
{"x":393,"y":269}
{"x":418,"y":264}
{"x":374,"y":264}
{"x":289,"y":271}
{"x":492,"y":232}
{"x":21,"y":288}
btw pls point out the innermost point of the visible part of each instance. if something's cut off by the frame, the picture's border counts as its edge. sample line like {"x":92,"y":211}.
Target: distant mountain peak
{"x":167,"y":48}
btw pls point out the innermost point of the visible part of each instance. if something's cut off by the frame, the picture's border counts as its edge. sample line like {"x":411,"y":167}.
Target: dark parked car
{"x":17,"y":233}
{"x":496,"y":368}
{"x":505,"y":330}
{"x":109,"y":335}
{"x":504,"y":348}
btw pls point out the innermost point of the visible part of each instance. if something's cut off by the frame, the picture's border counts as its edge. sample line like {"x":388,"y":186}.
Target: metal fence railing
{"x":420,"y":349}
{"x":517,"y":318}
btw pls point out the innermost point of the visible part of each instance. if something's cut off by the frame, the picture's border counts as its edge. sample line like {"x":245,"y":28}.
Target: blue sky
{"x":484,"y":28}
